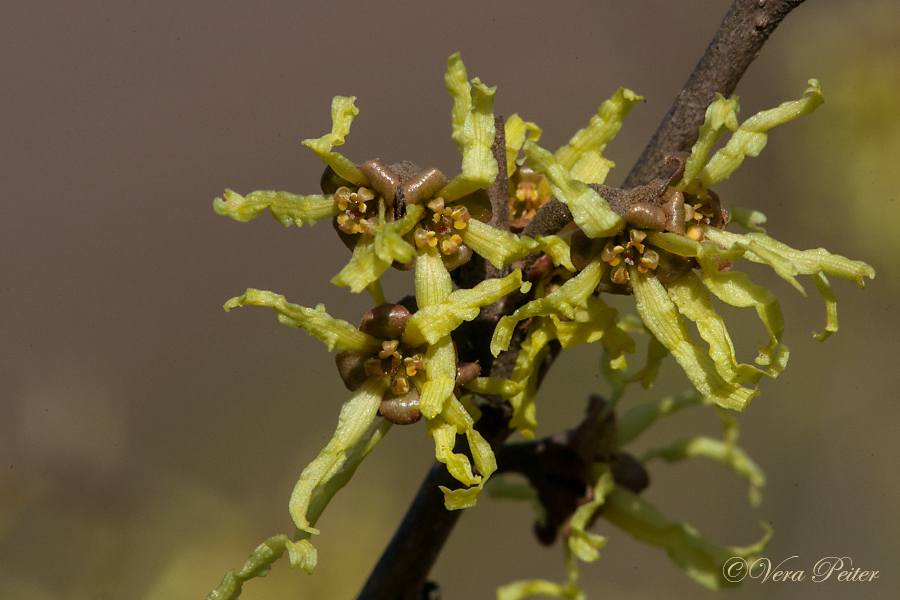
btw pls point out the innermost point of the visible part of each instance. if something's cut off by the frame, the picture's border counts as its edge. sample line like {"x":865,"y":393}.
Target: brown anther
{"x":636,"y":238}
{"x":610,"y":253}
{"x":619,"y":274}
{"x":650,"y":259}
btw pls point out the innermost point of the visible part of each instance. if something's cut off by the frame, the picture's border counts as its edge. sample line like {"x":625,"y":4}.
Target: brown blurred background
{"x":149,"y":441}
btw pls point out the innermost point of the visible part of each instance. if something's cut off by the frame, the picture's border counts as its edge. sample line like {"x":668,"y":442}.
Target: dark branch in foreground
{"x":402,"y":571}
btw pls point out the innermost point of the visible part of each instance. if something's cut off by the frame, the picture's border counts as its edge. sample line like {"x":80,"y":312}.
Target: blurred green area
{"x":150,"y":441}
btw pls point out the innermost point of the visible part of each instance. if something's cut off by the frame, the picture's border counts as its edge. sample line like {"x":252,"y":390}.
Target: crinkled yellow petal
{"x":750,"y":138}
{"x":558,"y":250}
{"x":592,"y":322}
{"x":516,"y":130}
{"x":458,"y":465}
{"x":334,"y":333}
{"x":364,"y":268}
{"x":258,"y":565}
{"x":356,"y":416}
{"x":500,"y":248}
{"x":287,"y":208}
{"x":493,"y":385}
{"x":389,"y":243}
{"x":720,"y":115}
{"x":342,"y":112}
{"x":700,"y":559}
{"x":716,"y":450}
{"x":525,"y":375}
{"x":589,"y":210}
{"x":457,"y":82}
{"x":638,"y":419}
{"x":563,"y":300}
{"x":736,"y":289}
{"x":440,"y":369}
{"x":433,"y":283}
{"x":437,"y":320}
{"x":482,"y":455}
{"x":374,"y":254}
{"x":479,"y":167}
{"x":591,"y":167}
{"x":693,"y":301}
{"x":788,"y":262}
{"x":828,"y":296}
{"x":662,"y":318}
{"x":302,"y":553}
{"x":602,"y":128}
{"x":583,"y":544}
{"x":808,"y":262}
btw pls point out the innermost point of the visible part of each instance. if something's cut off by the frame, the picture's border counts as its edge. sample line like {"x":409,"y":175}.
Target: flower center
{"x":356,"y":216}
{"x":391,"y":365}
{"x":628,"y":250}
{"x":439,"y":230}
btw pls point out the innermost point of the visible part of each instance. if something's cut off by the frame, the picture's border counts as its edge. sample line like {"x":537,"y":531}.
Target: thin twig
{"x":402,"y":571}
{"x":745,"y":29}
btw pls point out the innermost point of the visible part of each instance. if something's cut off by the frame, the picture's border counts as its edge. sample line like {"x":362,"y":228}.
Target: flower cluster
{"x":666,"y":243}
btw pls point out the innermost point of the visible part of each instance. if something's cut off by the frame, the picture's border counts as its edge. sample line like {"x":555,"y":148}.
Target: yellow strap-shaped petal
{"x":374,"y":253}
{"x":602,"y":128}
{"x":334,"y":333}
{"x":438,"y":320}
{"x":720,"y":115}
{"x":591,"y":167}
{"x":583,"y":544}
{"x":590,"y":211}
{"x":525,"y":375}
{"x":737,"y":289}
{"x":716,"y":450}
{"x":693,"y":301}
{"x":500,"y":248}
{"x":701,"y":560}
{"x":287,"y":208}
{"x":516,"y":131}
{"x":433,"y":283}
{"x":356,"y":416}
{"x":563,"y":300}
{"x":342,"y":112}
{"x":663,"y":320}
{"x":457,"y":82}
{"x":473,"y":131}
{"x":458,"y":465}
{"x":638,"y":419}
{"x":364,"y":268}
{"x":440,"y":369}
{"x":750,"y":138}
{"x":830,"y":299}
